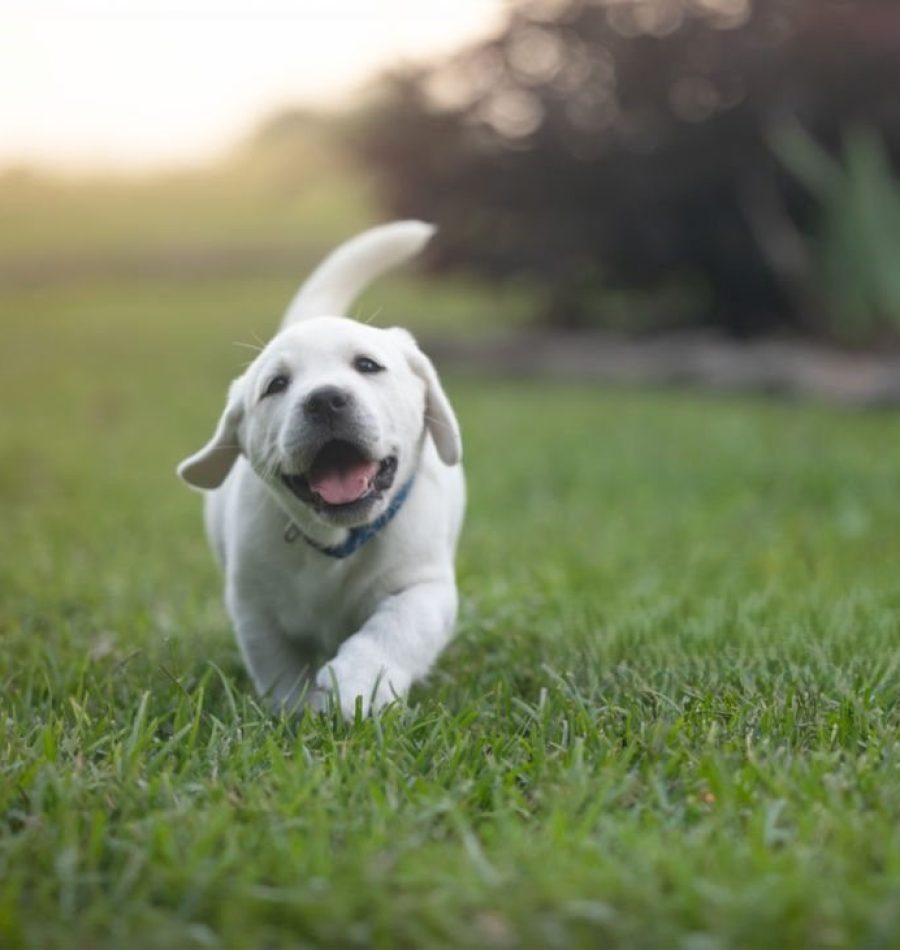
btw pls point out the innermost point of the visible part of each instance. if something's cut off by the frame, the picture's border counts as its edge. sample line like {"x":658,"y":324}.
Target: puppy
{"x":335,"y":496}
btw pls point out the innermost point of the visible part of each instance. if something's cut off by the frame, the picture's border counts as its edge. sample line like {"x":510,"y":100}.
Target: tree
{"x":597,"y":144}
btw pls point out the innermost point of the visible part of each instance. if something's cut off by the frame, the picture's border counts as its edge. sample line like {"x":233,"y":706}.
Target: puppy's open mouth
{"x":342,"y":476}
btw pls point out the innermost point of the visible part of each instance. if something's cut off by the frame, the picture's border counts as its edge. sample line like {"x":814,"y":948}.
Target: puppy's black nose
{"x":326,"y":403}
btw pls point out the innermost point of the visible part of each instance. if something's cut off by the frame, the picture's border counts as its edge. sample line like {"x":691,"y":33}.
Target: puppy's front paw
{"x":358,"y":671}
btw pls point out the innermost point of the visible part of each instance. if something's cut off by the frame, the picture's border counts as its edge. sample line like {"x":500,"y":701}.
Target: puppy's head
{"x":332,"y":416}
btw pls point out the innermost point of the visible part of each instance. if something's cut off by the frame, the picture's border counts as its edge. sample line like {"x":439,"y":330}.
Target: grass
{"x":259,"y":195}
{"x":670,"y":716}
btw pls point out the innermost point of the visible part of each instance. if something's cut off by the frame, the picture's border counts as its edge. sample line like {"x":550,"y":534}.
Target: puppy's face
{"x":331,"y":416}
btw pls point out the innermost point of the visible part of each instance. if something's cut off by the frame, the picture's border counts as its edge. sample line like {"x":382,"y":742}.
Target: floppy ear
{"x":439,"y":415}
{"x":208,"y":467}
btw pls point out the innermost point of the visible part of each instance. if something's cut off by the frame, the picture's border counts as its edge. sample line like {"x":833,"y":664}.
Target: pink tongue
{"x":340,"y":488}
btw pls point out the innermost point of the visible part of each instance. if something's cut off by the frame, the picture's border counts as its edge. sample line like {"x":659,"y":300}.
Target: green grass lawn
{"x":669,"y":719}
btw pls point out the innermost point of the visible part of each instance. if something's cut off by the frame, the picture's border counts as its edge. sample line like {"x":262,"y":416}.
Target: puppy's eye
{"x":363,"y":364}
{"x":277,"y":384}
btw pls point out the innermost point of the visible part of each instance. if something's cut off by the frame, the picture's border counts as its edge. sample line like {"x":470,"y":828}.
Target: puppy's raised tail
{"x":347,"y":271}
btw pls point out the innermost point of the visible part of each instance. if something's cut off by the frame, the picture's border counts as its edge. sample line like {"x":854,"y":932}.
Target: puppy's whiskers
{"x":270,"y":467}
{"x":375,"y":315}
{"x":248,"y":346}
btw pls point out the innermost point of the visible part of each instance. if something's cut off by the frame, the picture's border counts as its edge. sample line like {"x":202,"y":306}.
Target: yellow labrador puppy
{"x":335,"y":496}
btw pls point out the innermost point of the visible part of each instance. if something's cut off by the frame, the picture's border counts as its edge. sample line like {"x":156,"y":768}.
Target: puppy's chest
{"x":325,"y":606}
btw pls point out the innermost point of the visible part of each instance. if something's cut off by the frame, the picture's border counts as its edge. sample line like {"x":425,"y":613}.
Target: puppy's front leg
{"x":396,"y":646}
{"x":281,"y":669}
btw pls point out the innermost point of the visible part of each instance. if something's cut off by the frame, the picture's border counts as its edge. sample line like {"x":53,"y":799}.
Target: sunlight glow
{"x":142,"y":83}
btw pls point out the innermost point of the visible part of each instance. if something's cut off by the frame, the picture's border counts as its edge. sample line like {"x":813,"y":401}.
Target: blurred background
{"x":696,"y":172}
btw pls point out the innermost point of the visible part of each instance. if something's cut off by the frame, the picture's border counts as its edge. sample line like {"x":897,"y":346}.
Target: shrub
{"x":597,"y":146}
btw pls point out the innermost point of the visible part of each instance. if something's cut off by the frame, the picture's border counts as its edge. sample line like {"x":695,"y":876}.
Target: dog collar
{"x":357,"y":536}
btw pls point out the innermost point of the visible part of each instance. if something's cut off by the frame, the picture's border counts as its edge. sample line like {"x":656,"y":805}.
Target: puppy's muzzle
{"x":328,"y":405}
{"x":332,"y":462}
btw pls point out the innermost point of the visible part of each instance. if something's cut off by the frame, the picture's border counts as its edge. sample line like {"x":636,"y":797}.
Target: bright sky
{"x":138,"y":83}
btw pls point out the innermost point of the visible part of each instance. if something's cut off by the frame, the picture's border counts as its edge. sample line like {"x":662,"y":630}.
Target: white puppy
{"x":338,"y":496}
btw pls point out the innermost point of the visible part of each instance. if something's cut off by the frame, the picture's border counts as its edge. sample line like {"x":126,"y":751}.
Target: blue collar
{"x":357,"y":536}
